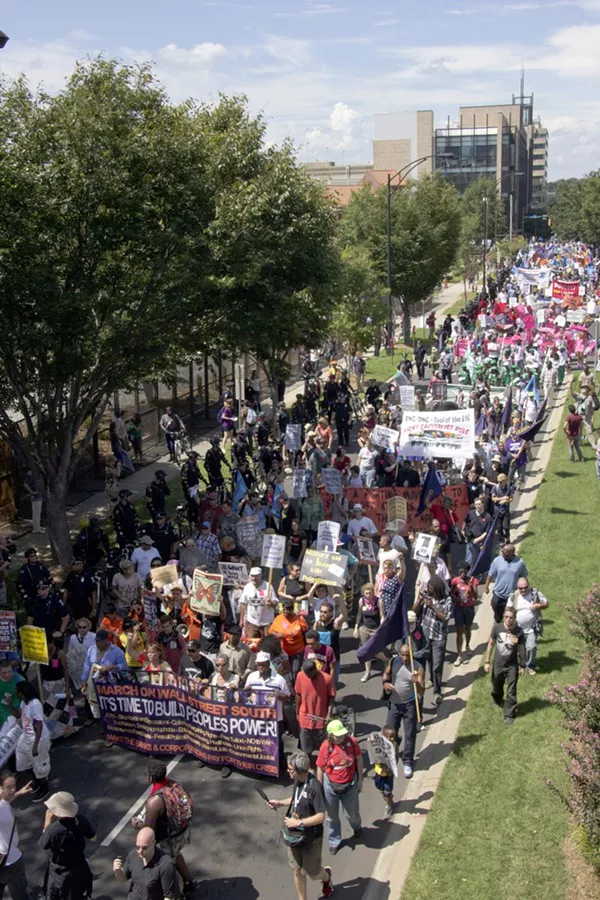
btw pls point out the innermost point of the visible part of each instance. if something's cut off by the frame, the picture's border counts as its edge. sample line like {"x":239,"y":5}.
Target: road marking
{"x":125,"y":820}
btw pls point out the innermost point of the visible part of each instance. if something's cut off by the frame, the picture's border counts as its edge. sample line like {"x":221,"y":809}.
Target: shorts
{"x":463,"y":616}
{"x":385,"y":784}
{"x":25,"y":760}
{"x":175,"y":844}
{"x":308,"y":857}
{"x":311,"y":739}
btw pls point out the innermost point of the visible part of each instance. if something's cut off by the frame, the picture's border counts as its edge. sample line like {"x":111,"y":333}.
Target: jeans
{"x":349,"y":802}
{"x":471,"y":552}
{"x":296,"y":662}
{"x":406,"y":713}
{"x":170,"y":442}
{"x":575,"y":447}
{"x":13,"y":877}
{"x":510,"y":675}
{"x":530,"y":649}
{"x":434,"y":653}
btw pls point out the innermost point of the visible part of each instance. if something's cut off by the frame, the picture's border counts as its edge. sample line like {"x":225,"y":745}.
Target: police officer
{"x":164,"y":536}
{"x":126,"y":519}
{"x":31,"y":573}
{"x":156,"y":492}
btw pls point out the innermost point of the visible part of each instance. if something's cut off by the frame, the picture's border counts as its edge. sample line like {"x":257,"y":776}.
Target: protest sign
{"x":34,"y":647}
{"x":366,"y":552}
{"x":439,"y":390}
{"x":150,"y":617}
{"x":397,"y":513}
{"x":293,"y":437}
{"x":164,"y":575}
{"x":332,"y":480}
{"x":561,"y":290}
{"x":328,"y":535}
{"x":9,"y":738}
{"x":382,"y":751}
{"x":233,"y":573}
{"x":8,"y":633}
{"x":560,"y":321}
{"x":375,"y":502}
{"x":407,"y":396}
{"x":299,"y":483}
{"x":206,"y":593}
{"x":249,"y":536}
{"x":576,"y":316}
{"x":173,"y":717}
{"x":273,"y":551}
{"x":384,"y":437}
{"x":424,"y":547}
{"x":446,"y":434}
{"x":326,"y":568}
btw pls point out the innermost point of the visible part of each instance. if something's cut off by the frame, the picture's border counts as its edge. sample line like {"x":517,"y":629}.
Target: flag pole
{"x":412,"y":672}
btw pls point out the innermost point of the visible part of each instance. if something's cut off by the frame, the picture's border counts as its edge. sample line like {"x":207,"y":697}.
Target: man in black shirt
{"x":47,"y":610}
{"x":152,"y":871}
{"x":80,"y":591}
{"x":373,"y":394}
{"x":406,"y":476}
{"x":164,"y":536}
{"x":420,"y":354}
{"x":475,"y":528}
{"x":126,"y":519}
{"x":156,"y":493}
{"x":195,"y":665}
{"x":343,"y":414}
{"x":509,"y":662}
{"x":30,"y":575}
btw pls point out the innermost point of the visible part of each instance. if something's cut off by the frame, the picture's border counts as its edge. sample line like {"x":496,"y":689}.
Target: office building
{"x":539,"y":168}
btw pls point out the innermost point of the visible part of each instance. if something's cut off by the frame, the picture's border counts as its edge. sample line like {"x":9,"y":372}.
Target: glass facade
{"x":473,"y":155}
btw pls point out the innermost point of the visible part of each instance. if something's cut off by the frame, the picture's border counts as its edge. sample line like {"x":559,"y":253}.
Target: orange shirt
{"x":189,"y":618}
{"x":110,"y":626}
{"x":292,"y":633}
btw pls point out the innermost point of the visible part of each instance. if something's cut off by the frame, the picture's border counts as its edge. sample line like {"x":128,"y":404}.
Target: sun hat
{"x":261,"y":656}
{"x":358,"y":507}
{"x":337,"y":728}
{"x":62,"y":804}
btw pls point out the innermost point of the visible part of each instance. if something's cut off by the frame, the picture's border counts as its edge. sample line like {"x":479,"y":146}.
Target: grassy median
{"x":495,"y":828}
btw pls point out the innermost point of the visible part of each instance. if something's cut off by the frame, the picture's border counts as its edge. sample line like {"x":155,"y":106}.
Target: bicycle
{"x":181,"y":446}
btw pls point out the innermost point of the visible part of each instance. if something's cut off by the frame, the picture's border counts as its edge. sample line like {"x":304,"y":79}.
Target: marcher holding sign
{"x":367,"y":555}
{"x":424,"y":547}
{"x":257,"y":605}
{"x":383,"y":749}
{"x":328,"y":535}
{"x":332,"y":479}
{"x":206,"y":593}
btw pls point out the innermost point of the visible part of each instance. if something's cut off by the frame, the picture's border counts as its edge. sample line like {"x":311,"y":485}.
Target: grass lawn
{"x":495,"y":828}
{"x":458,"y":305}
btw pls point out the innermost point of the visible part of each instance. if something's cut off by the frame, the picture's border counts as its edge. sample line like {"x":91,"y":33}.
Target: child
{"x":112,"y":624}
{"x":384,"y":777}
{"x":464,"y":594}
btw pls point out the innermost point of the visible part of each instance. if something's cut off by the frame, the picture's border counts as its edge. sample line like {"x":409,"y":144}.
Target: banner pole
{"x":370,"y":568}
{"x":412,"y":672}
{"x":39,"y":680}
{"x":270,"y":580}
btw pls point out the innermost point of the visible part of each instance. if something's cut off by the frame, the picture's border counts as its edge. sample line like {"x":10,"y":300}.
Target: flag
{"x":532,"y":389}
{"x":507,"y":412}
{"x":240,"y":491}
{"x":392,"y":629}
{"x":432,"y":488}
{"x":275,"y":508}
{"x":482,"y":563}
{"x":481,"y":424}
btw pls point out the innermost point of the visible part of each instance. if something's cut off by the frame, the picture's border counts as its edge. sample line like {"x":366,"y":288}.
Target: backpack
{"x":251,"y":417}
{"x":179,"y":807}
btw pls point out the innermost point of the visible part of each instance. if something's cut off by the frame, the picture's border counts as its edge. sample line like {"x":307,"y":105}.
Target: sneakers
{"x":328,"y":885}
{"x":365,"y":677}
{"x":408,"y":772}
{"x":509,"y":721}
{"x":437,"y":699}
{"x":225,"y":771}
{"x":389,"y":812}
{"x":458,"y":661}
{"x":468,"y":652}
{"x":357,"y":832}
{"x":345,"y":626}
{"x":531,"y":672}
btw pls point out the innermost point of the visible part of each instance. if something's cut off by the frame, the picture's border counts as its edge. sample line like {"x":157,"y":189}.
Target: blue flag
{"x":481,"y":424}
{"x":507,"y":412}
{"x":392,"y":629}
{"x":483,"y":561}
{"x":275,"y":508}
{"x":239,"y":492}
{"x":432,"y":488}
{"x":532,"y":388}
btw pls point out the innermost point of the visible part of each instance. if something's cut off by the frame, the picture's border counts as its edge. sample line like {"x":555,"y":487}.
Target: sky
{"x":319,"y":71}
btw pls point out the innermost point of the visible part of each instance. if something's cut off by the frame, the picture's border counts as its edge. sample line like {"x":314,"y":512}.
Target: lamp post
{"x":485,"y":240}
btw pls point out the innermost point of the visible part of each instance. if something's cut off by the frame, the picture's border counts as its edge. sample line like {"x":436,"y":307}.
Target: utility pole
{"x":485,"y":240}
{"x":510,"y":217}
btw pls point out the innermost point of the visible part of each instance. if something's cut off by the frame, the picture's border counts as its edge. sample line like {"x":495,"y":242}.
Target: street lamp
{"x":485,"y":240}
{"x":513,"y":175}
{"x":405,"y":170}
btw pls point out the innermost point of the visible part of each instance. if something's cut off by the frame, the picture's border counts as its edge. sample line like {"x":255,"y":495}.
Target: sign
{"x":407,"y":396}
{"x":164,"y":575}
{"x":293,"y":437}
{"x":273,"y":551}
{"x":366,"y":552}
{"x":424,"y":547}
{"x":332,"y":479}
{"x":8,"y":633}
{"x":150,"y":617}
{"x":233,"y":573}
{"x":561,"y":290}
{"x":299,"y":483}
{"x":34,"y":647}
{"x":540,"y":317}
{"x":328,"y":535}
{"x":375,"y":503}
{"x":383,"y":752}
{"x":439,"y":390}
{"x":576,"y":316}
{"x":560,"y":322}
{"x":324,"y":567}
{"x":397,"y":513}
{"x":206,"y":593}
{"x":446,"y":434}
{"x":249,"y":536}
{"x":385,"y":437}
{"x":9,"y":738}
{"x":174,"y":717}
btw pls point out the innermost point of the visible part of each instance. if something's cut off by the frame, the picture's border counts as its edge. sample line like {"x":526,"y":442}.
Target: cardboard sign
{"x":385,"y":437}
{"x":8,"y":633}
{"x":366,"y":552}
{"x":397,"y":513}
{"x":328,"y":535}
{"x":249,"y":536}
{"x":299,"y":483}
{"x":560,"y":321}
{"x":332,"y":480}
{"x":407,"y":396}
{"x":273,"y":551}
{"x":382,"y":751}
{"x":326,"y":568}
{"x":164,"y":575}
{"x":206,"y":593}
{"x":233,"y":573}
{"x":439,"y":390}
{"x":34,"y":647}
{"x":293,"y":437}
{"x":424,"y":547}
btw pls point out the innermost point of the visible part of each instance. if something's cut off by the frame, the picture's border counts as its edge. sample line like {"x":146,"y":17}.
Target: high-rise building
{"x":539,"y":168}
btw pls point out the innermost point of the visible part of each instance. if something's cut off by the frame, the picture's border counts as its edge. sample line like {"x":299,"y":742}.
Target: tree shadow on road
{"x":237,"y":888}
{"x":435,"y":753}
{"x":355,"y":888}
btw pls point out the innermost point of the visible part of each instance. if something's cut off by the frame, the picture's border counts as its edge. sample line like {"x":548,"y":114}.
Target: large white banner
{"x":539,"y":277}
{"x":444,"y":434}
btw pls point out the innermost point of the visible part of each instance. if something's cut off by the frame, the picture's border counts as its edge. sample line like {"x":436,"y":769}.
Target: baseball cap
{"x":261,"y":656}
{"x":337,"y":728}
{"x":358,"y":507}
{"x":146,"y":539}
{"x":256,"y":570}
{"x":206,"y":524}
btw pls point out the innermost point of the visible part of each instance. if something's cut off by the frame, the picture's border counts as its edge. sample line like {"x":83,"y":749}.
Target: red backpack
{"x":179,"y":807}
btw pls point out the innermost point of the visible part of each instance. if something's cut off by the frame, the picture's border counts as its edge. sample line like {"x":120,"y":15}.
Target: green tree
{"x":483,"y":219}
{"x":104,"y":206}
{"x":590,"y":209}
{"x":565,"y":208}
{"x":363,"y":306}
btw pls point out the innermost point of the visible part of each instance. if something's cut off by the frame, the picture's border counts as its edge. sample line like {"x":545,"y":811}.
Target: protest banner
{"x":433,"y":434}
{"x":424,"y":547}
{"x":328,"y":535}
{"x":407,"y":396}
{"x":561,"y":290}
{"x":34,"y":647}
{"x":332,"y":480}
{"x":293,"y":437}
{"x":384,"y":437}
{"x":173,"y":717}
{"x":382,"y":751}
{"x":439,"y":390}
{"x":273,"y":551}
{"x":8,"y":634}
{"x":375,"y":502}
{"x":233,"y":573}
{"x":324,"y":567}
{"x":206,"y":593}
{"x":9,"y":738}
{"x":164,"y":575}
{"x":397,"y":513}
{"x":249,"y":536}
{"x":299,"y":483}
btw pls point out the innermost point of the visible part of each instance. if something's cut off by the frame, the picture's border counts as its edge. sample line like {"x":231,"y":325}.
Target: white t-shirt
{"x":355,"y":526}
{"x":6,"y":825}
{"x":526,"y":617}
{"x":29,"y":712}
{"x":274,"y":682}
{"x":130,"y":589}
{"x":384,"y":555}
{"x":366,"y":458}
{"x":143,"y":560}
{"x":254,"y":599}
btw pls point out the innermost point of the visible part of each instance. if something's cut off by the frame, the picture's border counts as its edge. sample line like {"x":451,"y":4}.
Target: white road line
{"x":134,"y":808}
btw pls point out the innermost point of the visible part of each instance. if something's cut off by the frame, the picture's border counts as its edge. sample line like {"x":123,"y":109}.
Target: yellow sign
{"x":34,"y":647}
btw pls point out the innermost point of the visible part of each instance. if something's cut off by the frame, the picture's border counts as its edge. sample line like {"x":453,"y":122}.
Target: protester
{"x":508,"y":641}
{"x":258,"y":604}
{"x":66,"y":830}
{"x":33,"y":747}
{"x":572,"y":428}
{"x":434,"y":605}
{"x":528,"y":603}
{"x":404,"y":685}
{"x":340,"y":771}
{"x":291,"y":628}
{"x":368,"y":619}
{"x":322,"y":654}
{"x":269,"y":684}
{"x":151,"y":871}
{"x":315,"y":693}
{"x":464,"y":594}
{"x":12,"y":866}
{"x":505,"y":571}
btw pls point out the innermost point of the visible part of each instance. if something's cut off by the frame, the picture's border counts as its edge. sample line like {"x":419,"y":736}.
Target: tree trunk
{"x":406,"y":323}
{"x":58,"y":526}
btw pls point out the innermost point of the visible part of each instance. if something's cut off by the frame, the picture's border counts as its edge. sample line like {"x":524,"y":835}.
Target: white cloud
{"x":203,"y":56}
{"x":80,"y":34}
{"x":290,"y":50}
{"x":312,"y":10}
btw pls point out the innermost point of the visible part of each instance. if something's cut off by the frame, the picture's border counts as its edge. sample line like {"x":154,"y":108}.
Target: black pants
{"x":343,"y":430}
{"x":498,"y":605}
{"x":508,"y":674}
{"x":420,"y":370}
{"x":407,"y":713}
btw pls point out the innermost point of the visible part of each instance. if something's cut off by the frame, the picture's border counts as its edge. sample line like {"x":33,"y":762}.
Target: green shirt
{"x":9,"y":704}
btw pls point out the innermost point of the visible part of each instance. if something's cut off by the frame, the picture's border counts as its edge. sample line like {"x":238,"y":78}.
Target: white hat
{"x":256,"y":570}
{"x":358,"y":507}
{"x":146,"y":539}
{"x":62,"y":804}
{"x":261,"y":656}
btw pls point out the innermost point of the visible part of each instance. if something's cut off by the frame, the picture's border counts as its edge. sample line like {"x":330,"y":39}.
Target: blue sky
{"x":319,"y":70}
